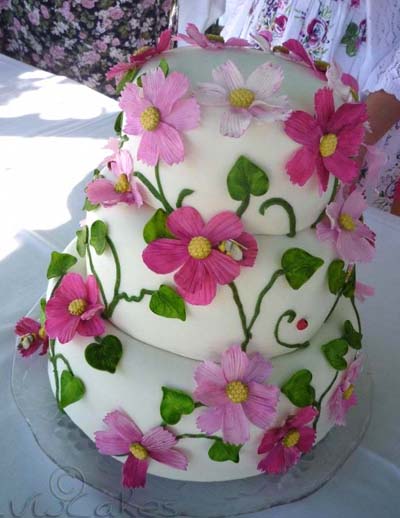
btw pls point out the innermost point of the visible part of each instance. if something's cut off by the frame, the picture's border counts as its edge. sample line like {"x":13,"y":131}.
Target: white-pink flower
{"x":208,"y":41}
{"x":245,"y":100}
{"x":343,"y":398}
{"x":343,"y":85}
{"x":160,"y":112}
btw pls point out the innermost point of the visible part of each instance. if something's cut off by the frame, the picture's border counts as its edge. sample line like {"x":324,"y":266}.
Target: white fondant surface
{"x":143,"y":370}
{"x":210,"y":155}
{"x":208,"y":330}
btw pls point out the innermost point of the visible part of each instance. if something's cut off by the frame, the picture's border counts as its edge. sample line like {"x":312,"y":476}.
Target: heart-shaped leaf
{"x":299,"y":266}
{"x":42,"y":317}
{"x":81,"y":240}
{"x":167,"y":303}
{"x":164,"y":66}
{"x":334,"y":352}
{"x":156,"y":227}
{"x":298,"y":388}
{"x":221,"y":451}
{"x":72,"y":389}
{"x":89,"y":206}
{"x":98,"y":235}
{"x":104,"y":355}
{"x":118,"y":123}
{"x":174,"y":404}
{"x":336,"y":276}
{"x":60,"y":264}
{"x":128,"y":77}
{"x":246,"y":178}
{"x":352,"y":337}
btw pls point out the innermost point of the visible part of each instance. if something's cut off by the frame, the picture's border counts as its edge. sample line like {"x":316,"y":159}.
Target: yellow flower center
{"x":346,"y":222}
{"x":138,"y":451}
{"x":281,"y":49}
{"x":348,"y":392}
{"x":237,"y":391}
{"x":199,"y":247}
{"x":42,"y":333}
{"x":122,"y":185}
{"x":77,"y":307}
{"x":215,"y":37}
{"x":291,"y":438}
{"x":141,"y":50}
{"x":150,"y":118}
{"x":241,"y":97}
{"x":327,"y":144}
{"x":321,"y":65}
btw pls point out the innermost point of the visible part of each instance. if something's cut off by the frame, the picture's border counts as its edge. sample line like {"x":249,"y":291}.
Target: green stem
{"x":334,"y":305}
{"x":239,"y":305}
{"x":243,"y":206}
{"x":135,"y":298}
{"x":291,"y":315}
{"x":99,"y":284}
{"x":319,"y":402}
{"x":257,"y":308}
{"x":64,"y":359}
{"x":163,"y":199}
{"x":110,"y":309}
{"x":56,"y":285}
{"x":197,"y":436}
{"x":353,"y":303}
{"x":332,"y":197}
{"x":52,"y":357}
{"x":287,"y":207}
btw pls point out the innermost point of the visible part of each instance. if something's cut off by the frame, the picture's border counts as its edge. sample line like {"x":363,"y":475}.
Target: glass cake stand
{"x":74,"y":452}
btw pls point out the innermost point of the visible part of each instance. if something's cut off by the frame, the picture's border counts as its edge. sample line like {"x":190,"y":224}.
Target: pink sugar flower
{"x":285,"y":445}
{"x":208,"y":41}
{"x":246,"y":100}
{"x":235,"y":393}
{"x":263,"y":39}
{"x":330,"y":140}
{"x":297,"y":52}
{"x":204,"y":254}
{"x":343,"y":398}
{"x":362,"y":291}
{"x":33,"y":336}
{"x":160,"y":113}
{"x":124,"y":189}
{"x":74,"y":308}
{"x":352,"y":239}
{"x":343,"y":85}
{"x":140,"y":57}
{"x":123,"y":437}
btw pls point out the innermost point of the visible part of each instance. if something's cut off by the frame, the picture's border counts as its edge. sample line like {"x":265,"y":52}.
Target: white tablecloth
{"x":51,"y":134}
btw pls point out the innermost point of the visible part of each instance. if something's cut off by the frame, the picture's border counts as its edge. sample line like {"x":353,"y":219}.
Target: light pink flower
{"x":235,"y":393}
{"x":330,"y":140}
{"x":33,"y":336}
{"x":298,"y":53}
{"x":123,"y":437}
{"x":140,"y":57}
{"x":201,"y":252}
{"x":285,"y":445}
{"x":352,"y":239}
{"x":74,"y":308}
{"x":254,"y":98}
{"x":160,"y":112}
{"x":343,"y":85}
{"x":124,"y":189}
{"x":343,"y":398}
{"x":263,"y":39}
{"x":362,"y":291}
{"x":208,"y":41}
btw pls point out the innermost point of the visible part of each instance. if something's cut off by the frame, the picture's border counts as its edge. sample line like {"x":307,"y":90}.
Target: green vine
{"x":353,"y":303}
{"x":322,"y":397}
{"x":242,"y":315}
{"x":291,"y":315}
{"x":158,"y":192}
{"x":331,"y":198}
{"x":243,"y":207}
{"x":287,"y":207}
{"x":198,"y":436}
{"x":163,"y":199}
{"x":99,"y":284}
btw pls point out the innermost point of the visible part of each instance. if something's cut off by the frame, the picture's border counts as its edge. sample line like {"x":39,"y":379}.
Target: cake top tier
{"x":241,"y":100}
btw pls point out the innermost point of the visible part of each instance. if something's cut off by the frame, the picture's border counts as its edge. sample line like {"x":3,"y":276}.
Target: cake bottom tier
{"x":136,"y":388}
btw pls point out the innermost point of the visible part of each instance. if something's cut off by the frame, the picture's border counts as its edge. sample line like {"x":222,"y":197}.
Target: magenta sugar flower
{"x":352,"y":239}
{"x":297,"y":52}
{"x":235,"y":394}
{"x":123,"y":437}
{"x":209,"y":41}
{"x":32,"y":336}
{"x":254,"y":98}
{"x":285,"y":445}
{"x":124,"y":189}
{"x":343,"y":398}
{"x":74,"y":308}
{"x":330,"y":140}
{"x":205,"y":254}
{"x":159,"y":113}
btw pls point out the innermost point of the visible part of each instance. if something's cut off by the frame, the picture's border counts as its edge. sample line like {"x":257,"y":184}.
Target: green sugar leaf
{"x":72,"y":389}
{"x":222,"y":451}
{"x":89,"y":206}
{"x":336,"y":276}
{"x":156,"y":227}
{"x":60,"y":264}
{"x":164,"y":66}
{"x":352,"y":337}
{"x":167,"y":303}
{"x":334,"y":352}
{"x":98,"y":234}
{"x":104,"y":355}
{"x":299,"y":266}
{"x":174,"y":404}
{"x":118,"y":123}
{"x":298,"y":388}
{"x":246,"y":178}
{"x":81,"y":240}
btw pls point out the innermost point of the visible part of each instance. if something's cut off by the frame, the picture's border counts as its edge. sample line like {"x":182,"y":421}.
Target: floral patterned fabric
{"x":81,"y":39}
{"x":362,"y":36}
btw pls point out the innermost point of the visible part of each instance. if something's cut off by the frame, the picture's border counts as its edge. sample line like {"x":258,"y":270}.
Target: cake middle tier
{"x":264,"y":306}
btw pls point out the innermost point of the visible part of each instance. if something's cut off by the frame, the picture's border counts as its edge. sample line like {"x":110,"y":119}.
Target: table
{"x":51,"y":135}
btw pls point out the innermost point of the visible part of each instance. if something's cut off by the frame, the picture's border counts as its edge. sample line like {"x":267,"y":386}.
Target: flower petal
{"x":260,"y":407}
{"x":324,"y":107}
{"x":265,"y":80}
{"x":72,"y":287}
{"x":348,"y":114}
{"x":270,"y":439}
{"x":26,"y":326}
{"x":92,"y":290}
{"x":93,"y":327}
{"x":211,"y":394}
{"x":322,"y":173}
{"x":258,"y":368}
{"x":221,"y":267}
{"x":102,"y":191}
{"x":291,"y":456}
{"x":234,"y":363}
{"x":301,"y":166}
{"x":158,"y":439}
{"x":209,"y":372}
{"x":91,"y":311}
{"x":192,"y":275}
{"x":303,"y":416}
{"x":344,"y":168}
{"x":121,"y":424}
{"x":148,"y":151}
{"x":153,"y":85}
{"x":175,"y":86}
{"x":185,"y":115}
{"x":205,"y":293}
{"x":235,"y":426}
{"x":223,"y":226}
{"x":274,"y":462}
{"x":250,"y":249}
{"x":132,"y":102}
{"x":355,"y":204}
{"x":165,"y":255}
{"x":228,"y":76}
{"x":185,"y":223}
{"x":235,"y":122}
{"x":304,"y":129}
{"x":350,"y":140}
{"x":174,"y":458}
{"x":210,"y":420}
{"x":363,"y":290}
{"x":170,"y":144}
{"x":307,"y":438}
{"x":134,"y":472}
{"x":211,"y":94}
{"x":110,"y":443}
